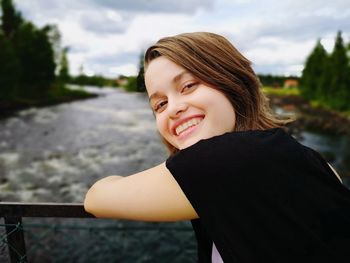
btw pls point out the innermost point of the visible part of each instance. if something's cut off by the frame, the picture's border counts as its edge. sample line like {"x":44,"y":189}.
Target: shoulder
{"x":238,"y":143}
{"x":245,"y":138}
{"x":245,"y":154}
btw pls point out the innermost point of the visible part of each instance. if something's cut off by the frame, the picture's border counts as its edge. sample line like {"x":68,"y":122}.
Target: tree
{"x":9,"y":69}
{"x":36,"y":57}
{"x":28,"y":54}
{"x":339,"y":84}
{"x":54,"y":37}
{"x":63,"y":72}
{"x":11,"y":19}
{"x":326,"y":78}
{"x":315,"y":66}
{"x":131,"y":84}
{"x":140,"y":83}
{"x":9,"y":64}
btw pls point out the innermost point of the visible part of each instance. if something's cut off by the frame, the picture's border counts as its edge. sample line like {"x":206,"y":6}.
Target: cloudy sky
{"x":107,"y":36}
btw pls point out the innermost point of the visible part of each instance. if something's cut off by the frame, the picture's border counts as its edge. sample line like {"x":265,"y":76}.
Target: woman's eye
{"x":160,"y":106}
{"x":189,"y":86}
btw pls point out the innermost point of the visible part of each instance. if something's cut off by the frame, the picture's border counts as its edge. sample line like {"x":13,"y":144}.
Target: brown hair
{"x":215,"y":61}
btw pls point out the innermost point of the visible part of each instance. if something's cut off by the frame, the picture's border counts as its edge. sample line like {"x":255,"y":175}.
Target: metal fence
{"x":61,"y":232}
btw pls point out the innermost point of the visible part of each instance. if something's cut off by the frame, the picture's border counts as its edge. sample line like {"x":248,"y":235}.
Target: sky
{"x":107,"y":37}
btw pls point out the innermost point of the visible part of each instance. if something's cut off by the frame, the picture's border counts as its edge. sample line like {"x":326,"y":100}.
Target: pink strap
{"x":215,"y":256}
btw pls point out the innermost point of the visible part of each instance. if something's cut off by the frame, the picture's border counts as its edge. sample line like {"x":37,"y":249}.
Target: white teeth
{"x":187,"y":124}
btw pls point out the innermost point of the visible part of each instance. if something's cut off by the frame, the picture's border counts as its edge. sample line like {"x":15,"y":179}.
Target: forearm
{"x":150,"y":195}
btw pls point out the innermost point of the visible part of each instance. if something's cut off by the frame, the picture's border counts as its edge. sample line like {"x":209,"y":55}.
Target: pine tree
{"x":339,"y":89}
{"x":63,"y":73}
{"x":326,"y":78}
{"x":9,"y":65}
{"x":141,"y":87}
{"x":36,"y":57}
{"x":9,"y":70}
{"x":11,"y":19}
{"x":315,"y":66}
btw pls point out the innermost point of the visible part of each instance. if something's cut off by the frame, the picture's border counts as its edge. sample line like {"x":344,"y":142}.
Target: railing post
{"x":13,"y":212}
{"x":15,"y":239}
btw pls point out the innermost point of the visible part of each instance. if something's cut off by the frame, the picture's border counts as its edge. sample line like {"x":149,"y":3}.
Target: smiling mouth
{"x":188,"y":124}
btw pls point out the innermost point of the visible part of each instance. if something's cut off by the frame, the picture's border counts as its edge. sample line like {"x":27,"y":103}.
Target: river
{"x":54,"y":154}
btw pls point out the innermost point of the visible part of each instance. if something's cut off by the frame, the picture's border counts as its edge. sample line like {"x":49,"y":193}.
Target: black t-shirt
{"x":263,"y":197}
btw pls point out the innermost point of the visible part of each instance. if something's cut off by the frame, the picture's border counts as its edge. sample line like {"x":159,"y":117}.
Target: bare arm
{"x":151,"y":195}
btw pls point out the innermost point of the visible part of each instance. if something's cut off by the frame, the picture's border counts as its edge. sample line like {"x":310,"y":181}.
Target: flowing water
{"x":54,"y":154}
{"x":334,"y":148}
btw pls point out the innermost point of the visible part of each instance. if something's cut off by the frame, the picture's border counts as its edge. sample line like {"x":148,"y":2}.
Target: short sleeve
{"x":252,"y":190}
{"x":221,"y":177}
{"x":225,"y":168}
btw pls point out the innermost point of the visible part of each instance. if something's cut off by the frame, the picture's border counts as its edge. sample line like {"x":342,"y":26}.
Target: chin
{"x":189,"y":143}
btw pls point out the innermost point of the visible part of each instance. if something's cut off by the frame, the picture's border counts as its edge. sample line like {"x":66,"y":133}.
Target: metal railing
{"x":13,"y":213}
{"x":15,"y":231}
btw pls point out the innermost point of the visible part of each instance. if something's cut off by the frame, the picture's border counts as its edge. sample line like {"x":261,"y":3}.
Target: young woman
{"x":252,"y":192}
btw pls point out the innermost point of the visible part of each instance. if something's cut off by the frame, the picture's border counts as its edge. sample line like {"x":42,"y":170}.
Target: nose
{"x":176,"y":108}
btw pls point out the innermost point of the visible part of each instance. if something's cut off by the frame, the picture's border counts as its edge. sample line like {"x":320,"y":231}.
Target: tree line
{"x":28,"y":55}
{"x":326,"y":76}
{"x":34,"y":66}
{"x":95,"y":80}
{"x":137,"y":83}
{"x":274,"y":80}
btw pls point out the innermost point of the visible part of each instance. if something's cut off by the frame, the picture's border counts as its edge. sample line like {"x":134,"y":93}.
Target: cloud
{"x":126,"y":70}
{"x":107,"y":35}
{"x":156,"y":6}
{"x":319,"y":7}
{"x":279,"y":35}
{"x":104,"y":21}
{"x":292,"y":24}
{"x":113,"y":59}
{"x":48,"y":11}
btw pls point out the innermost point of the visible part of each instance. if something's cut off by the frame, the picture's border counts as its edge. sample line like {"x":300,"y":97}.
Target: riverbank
{"x":10,"y":107}
{"x":309,"y":117}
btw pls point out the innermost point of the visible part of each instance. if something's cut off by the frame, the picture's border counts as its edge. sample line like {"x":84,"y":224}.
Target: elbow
{"x":99,"y":197}
{"x":89,"y":201}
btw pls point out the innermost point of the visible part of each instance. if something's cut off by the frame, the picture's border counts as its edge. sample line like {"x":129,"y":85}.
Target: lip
{"x":183,"y":120}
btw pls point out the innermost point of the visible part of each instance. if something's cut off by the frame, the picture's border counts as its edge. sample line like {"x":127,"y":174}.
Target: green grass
{"x":281,"y":91}
{"x":320,"y":104}
{"x":58,"y":92}
{"x":296,"y":92}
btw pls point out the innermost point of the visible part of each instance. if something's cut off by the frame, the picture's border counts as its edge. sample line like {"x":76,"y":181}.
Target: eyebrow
{"x":176,"y":79}
{"x":179,"y":76}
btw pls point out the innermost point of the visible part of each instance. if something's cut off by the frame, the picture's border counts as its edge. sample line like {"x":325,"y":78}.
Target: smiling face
{"x":186,"y":109}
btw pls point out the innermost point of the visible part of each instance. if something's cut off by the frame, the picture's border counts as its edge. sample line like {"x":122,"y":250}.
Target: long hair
{"x":215,"y":61}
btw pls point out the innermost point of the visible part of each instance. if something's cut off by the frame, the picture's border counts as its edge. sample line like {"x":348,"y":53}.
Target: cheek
{"x":229,"y":118}
{"x":164,"y":133}
{"x":223,"y":111}
{"x":161,"y":126}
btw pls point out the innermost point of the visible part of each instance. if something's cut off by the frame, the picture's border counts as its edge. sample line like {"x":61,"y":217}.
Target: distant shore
{"x":312,"y":118}
{"x":9,"y":108}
